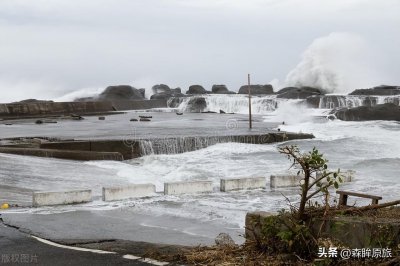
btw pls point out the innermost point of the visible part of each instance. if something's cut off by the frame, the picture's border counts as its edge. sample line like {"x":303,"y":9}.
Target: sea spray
{"x":339,"y":62}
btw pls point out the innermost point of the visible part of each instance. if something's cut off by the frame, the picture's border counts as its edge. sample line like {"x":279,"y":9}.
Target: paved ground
{"x":72,"y":227}
{"x":17,"y":248}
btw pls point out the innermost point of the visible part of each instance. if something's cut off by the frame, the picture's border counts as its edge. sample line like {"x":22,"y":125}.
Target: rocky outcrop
{"x":387,"y":111}
{"x":177,"y":90}
{"x":33,"y":101}
{"x":160,"y":88}
{"x":163,"y":92}
{"x":120,"y":92}
{"x":166,"y":95}
{"x":298,"y":92}
{"x":143,"y":92}
{"x":256,"y":89}
{"x":196,"y":89}
{"x":382,"y":90}
{"x":221,"y":89}
{"x":196,"y":105}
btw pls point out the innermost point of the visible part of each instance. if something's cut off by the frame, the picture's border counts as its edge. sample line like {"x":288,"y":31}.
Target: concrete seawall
{"x":132,"y":148}
{"x":61,"y":198}
{"x":64,"y":154}
{"x":128,"y":149}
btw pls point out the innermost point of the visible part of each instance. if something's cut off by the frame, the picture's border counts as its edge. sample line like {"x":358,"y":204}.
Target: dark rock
{"x":165,"y":95}
{"x":39,"y":122}
{"x":221,"y":111}
{"x":196,"y":89}
{"x":144,"y":120}
{"x":76,"y":117}
{"x":298,"y":92}
{"x":379,"y":90}
{"x":121,"y":92}
{"x":197,"y":104}
{"x":176,"y":90}
{"x":221,"y":89}
{"x":102,"y":118}
{"x":174,"y":102}
{"x":387,"y":111}
{"x":159,"y":88}
{"x":34,"y":101}
{"x":133,"y":120}
{"x":142,"y":92}
{"x":313,"y":101}
{"x":256,"y":89}
{"x":224,"y":239}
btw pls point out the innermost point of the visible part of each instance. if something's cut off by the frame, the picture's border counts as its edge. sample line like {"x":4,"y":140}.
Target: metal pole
{"x":250,"y":120}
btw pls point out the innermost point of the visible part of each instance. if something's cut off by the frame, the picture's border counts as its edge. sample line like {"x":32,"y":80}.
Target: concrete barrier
{"x":175,"y":188}
{"x":347,"y":176}
{"x":277,"y":181}
{"x":127,"y":192}
{"x":61,"y":198}
{"x":242,"y":183}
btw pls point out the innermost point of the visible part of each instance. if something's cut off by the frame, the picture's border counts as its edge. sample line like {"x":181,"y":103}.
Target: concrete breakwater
{"x":134,"y":148}
{"x":64,"y":154}
{"x":37,"y":109}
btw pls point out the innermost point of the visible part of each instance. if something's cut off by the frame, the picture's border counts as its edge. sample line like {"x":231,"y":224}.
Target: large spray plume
{"x":337,"y":63}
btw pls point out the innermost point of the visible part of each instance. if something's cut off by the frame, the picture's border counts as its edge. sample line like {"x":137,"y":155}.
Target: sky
{"x":49,"y":48}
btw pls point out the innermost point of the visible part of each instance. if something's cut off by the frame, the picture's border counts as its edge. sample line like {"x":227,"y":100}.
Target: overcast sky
{"x":51,"y":47}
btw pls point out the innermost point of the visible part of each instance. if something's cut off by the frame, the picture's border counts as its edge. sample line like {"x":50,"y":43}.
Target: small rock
{"x":102,"y":118}
{"x":224,"y":239}
{"x":133,"y":120}
{"x":38,"y":122}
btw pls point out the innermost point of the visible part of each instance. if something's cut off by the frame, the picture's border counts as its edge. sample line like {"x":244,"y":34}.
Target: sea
{"x":370,"y":148}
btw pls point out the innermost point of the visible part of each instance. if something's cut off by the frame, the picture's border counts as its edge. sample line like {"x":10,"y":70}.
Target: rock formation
{"x":379,"y":90}
{"x":298,"y":92}
{"x":197,"y":104}
{"x":387,"y":111}
{"x":256,"y":89}
{"x":221,"y":89}
{"x":120,"y":92}
{"x":196,"y":89}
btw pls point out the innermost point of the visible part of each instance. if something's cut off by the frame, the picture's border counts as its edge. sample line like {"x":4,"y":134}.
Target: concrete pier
{"x":128,"y":192}
{"x":61,"y":198}
{"x":242,"y":183}
{"x":176,"y":188}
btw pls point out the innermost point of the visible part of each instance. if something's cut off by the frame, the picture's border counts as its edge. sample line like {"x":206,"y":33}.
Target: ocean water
{"x":371,"y":149}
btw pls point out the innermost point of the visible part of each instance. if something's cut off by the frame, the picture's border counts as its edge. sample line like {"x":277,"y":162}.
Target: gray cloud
{"x":49,"y":48}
